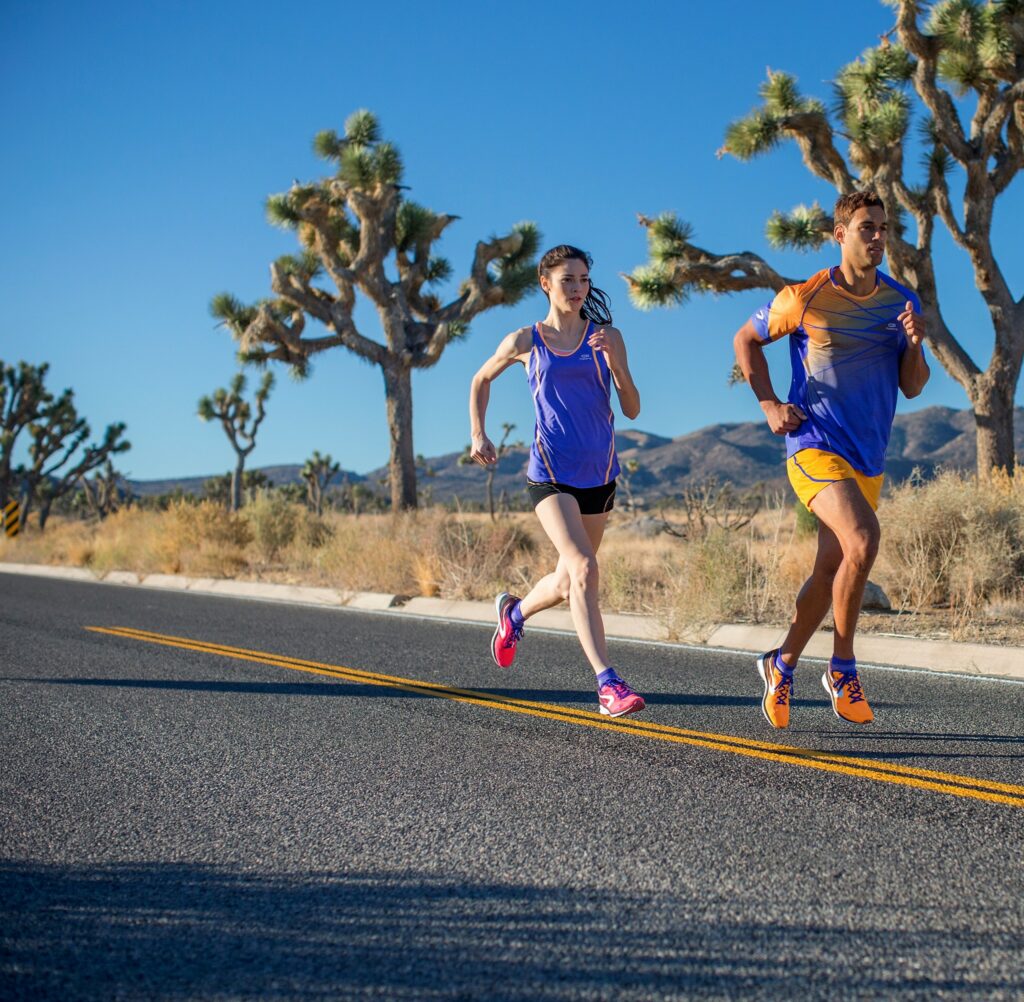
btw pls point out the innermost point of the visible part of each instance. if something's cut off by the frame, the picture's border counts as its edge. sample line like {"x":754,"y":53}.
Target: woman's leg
{"x":553,"y":588}
{"x":576,"y":538}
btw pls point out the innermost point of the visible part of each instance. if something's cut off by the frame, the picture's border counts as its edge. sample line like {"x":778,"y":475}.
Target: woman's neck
{"x":570,"y":323}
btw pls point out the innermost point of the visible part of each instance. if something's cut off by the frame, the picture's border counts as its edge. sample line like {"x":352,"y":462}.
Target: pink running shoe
{"x":506,"y":636}
{"x":617,"y":699}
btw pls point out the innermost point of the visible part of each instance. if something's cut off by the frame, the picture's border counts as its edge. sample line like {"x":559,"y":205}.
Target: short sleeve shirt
{"x":845,"y":352}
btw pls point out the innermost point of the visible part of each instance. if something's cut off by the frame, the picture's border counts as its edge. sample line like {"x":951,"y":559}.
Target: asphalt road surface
{"x":217,"y":799}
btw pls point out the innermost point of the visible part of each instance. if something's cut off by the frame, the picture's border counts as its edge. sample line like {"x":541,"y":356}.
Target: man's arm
{"x":749,"y":348}
{"x":914,"y":371}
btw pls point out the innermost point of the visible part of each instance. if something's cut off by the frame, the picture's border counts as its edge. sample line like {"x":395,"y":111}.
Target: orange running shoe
{"x":848,"y":699}
{"x":778,"y":687}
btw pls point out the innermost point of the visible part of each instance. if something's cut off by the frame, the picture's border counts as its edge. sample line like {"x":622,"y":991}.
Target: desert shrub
{"x":316,"y":532}
{"x":67,"y":541}
{"x":472,"y":558}
{"x":203,"y":538}
{"x":707,"y":583}
{"x":274,"y":521}
{"x":953,"y":540}
{"x":806,"y":520}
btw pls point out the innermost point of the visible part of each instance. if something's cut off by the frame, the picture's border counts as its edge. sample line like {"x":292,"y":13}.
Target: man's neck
{"x":859,"y":281}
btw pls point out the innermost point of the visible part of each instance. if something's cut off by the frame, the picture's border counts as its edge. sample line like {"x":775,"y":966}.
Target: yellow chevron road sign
{"x":12,"y":518}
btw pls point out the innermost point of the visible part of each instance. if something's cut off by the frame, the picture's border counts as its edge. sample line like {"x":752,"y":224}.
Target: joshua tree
{"x":503,"y":447}
{"x":318,"y":472}
{"x":105,"y":492}
{"x":357,"y":229}
{"x":240,"y":425}
{"x":628,"y":469}
{"x":218,"y":489}
{"x":57,"y":438}
{"x":968,"y":58}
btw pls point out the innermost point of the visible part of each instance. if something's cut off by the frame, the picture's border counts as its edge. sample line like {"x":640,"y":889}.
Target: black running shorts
{"x":592,"y":500}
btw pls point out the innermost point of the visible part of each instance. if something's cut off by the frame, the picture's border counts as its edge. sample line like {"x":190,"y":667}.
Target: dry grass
{"x":952,"y":558}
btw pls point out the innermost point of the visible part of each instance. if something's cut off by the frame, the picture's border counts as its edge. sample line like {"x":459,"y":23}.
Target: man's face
{"x":863,"y":239}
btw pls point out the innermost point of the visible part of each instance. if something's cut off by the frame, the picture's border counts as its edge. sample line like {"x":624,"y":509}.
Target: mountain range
{"x":744,"y":454}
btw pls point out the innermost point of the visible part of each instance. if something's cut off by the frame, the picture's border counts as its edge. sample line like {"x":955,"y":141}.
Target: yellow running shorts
{"x":811,"y":470}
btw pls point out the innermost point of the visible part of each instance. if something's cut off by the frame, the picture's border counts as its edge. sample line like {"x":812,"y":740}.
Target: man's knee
{"x":860,"y":546}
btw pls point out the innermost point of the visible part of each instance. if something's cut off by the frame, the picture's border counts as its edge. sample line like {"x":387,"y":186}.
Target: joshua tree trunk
{"x":236,"y":481}
{"x":402,"y":461}
{"x":992,"y":401}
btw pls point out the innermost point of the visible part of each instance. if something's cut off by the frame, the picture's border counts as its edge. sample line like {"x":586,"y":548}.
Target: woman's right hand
{"x":483,"y":451}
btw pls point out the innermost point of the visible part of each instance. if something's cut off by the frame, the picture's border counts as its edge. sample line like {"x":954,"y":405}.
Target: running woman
{"x":572,"y":359}
{"x":855,"y":339}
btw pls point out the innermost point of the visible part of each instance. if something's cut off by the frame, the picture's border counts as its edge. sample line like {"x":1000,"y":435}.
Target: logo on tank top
{"x":585,"y":357}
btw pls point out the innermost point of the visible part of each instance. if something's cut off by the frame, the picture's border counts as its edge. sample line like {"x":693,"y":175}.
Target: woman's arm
{"x":512,"y":349}
{"x":609,"y":340}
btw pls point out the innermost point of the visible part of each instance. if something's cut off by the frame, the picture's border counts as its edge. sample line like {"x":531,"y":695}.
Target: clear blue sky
{"x":140,"y":141}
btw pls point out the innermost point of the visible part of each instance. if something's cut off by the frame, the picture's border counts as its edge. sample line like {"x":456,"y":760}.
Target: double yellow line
{"x":848,"y":765}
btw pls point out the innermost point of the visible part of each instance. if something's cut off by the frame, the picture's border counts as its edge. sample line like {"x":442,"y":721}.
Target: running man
{"x":855,"y":338}
{"x":572,"y":358}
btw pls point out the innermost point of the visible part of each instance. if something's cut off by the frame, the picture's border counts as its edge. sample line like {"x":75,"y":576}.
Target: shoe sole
{"x":831,"y":698}
{"x":498,"y":602}
{"x":633,"y":709}
{"x":763,"y":672}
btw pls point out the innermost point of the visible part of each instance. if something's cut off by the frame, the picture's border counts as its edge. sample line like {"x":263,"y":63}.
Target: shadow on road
{"x":350,"y":689}
{"x":184,"y":931}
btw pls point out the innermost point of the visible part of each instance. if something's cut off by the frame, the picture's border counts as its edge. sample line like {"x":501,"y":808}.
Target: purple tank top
{"x":574,"y":442}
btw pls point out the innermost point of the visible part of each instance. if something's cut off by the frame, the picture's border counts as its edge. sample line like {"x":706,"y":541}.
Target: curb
{"x":979,"y":660}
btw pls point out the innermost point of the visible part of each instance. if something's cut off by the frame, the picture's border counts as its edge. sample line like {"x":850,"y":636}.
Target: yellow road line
{"x":925,"y":779}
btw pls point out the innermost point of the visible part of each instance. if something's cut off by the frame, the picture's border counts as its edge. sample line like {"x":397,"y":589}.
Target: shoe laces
{"x":515,"y":634}
{"x":784,"y":687}
{"x":851,"y":683}
{"x":619,"y":688}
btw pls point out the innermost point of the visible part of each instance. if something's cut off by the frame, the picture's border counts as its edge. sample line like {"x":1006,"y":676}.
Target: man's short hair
{"x":847,"y":205}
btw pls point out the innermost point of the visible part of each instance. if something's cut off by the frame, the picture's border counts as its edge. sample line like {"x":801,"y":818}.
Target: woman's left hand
{"x":610,"y":342}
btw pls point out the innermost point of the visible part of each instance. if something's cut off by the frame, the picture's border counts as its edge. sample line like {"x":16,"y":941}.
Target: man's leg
{"x":845,"y":511}
{"x":815,"y":597}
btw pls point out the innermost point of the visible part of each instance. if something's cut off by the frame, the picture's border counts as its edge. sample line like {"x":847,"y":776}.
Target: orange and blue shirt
{"x":845,"y":352}
{"x":574,"y":440}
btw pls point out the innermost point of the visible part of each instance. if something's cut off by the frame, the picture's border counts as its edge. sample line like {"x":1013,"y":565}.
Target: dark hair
{"x":847,"y":205}
{"x":597,"y":306}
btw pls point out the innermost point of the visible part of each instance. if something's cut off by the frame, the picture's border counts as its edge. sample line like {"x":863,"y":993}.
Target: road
{"x":218,"y":799}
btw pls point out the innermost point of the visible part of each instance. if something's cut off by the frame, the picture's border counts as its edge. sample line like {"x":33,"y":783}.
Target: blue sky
{"x":140,"y":141}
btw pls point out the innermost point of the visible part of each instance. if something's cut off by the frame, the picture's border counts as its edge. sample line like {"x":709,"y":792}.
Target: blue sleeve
{"x":760,"y":322}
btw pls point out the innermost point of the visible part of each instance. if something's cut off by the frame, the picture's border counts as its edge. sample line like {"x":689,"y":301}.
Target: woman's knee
{"x":583,"y":571}
{"x":563,"y":583}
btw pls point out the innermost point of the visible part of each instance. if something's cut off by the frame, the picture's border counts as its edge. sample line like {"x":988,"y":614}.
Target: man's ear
{"x":839,"y":233}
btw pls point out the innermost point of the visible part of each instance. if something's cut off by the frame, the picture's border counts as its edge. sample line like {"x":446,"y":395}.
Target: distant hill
{"x":744,"y":454}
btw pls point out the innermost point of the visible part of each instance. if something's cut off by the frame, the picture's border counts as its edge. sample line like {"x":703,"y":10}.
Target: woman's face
{"x":567,"y":285}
